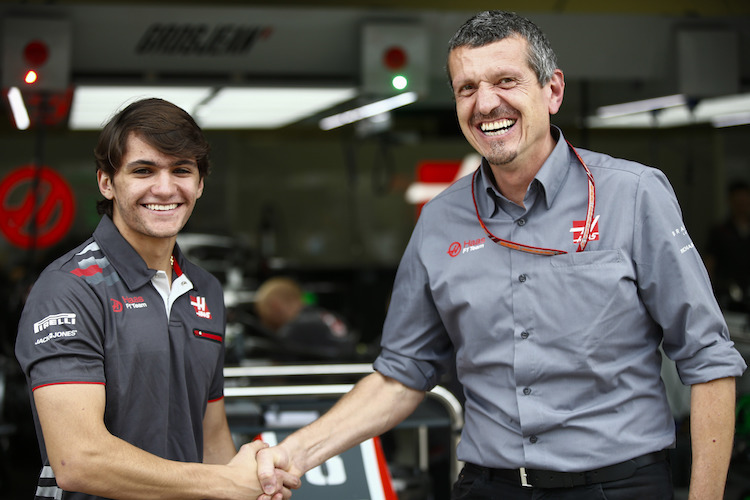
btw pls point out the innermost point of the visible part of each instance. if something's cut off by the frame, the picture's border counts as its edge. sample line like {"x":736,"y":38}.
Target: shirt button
{"x":527,"y":391}
{"x":533,"y":439}
{"x":525,"y":335}
{"x":522,"y":278}
{"x":521,"y":222}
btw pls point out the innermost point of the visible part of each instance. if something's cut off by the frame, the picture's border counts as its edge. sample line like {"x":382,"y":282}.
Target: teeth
{"x":497,"y":127}
{"x":171,"y":206}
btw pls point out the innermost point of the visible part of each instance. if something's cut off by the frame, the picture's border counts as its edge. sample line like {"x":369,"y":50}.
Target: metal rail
{"x":281,"y":370}
{"x":443,"y":396}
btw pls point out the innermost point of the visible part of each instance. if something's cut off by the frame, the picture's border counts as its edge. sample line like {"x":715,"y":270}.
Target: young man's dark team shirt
{"x":95,"y":317}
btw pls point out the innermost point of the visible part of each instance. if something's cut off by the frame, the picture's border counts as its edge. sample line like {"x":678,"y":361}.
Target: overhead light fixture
{"x":629,"y":108}
{"x":93,"y":106}
{"x":731,"y":120}
{"x":367,"y":111}
{"x":267,"y":108}
{"x":18,"y":108}
{"x":669,"y":112}
{"x":225,"y":108}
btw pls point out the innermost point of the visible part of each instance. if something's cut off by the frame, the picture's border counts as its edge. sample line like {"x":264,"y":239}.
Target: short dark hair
{"x":494,"y":25}
{"x":163,"y":125}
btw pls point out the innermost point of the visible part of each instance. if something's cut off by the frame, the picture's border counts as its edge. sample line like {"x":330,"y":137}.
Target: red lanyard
{"x":538,"y":250}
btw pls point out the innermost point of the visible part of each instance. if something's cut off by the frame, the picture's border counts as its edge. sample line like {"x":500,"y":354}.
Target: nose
{"x":487,"y":99}
{"x":164,"y":184}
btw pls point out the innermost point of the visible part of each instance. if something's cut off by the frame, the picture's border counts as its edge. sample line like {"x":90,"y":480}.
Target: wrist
{"x":297,"y":459}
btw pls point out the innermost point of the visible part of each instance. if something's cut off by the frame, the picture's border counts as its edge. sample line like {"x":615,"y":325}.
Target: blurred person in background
{"x":727,"y":252}
{"x":305,"y":332}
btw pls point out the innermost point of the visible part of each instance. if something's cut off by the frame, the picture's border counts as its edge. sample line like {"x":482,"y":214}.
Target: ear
{"x":200,"y":189}
{"x":105,"y":184}
{"x":556,"y":90}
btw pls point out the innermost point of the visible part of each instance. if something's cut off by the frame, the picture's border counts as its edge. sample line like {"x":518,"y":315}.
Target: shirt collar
{"x":129,"y":265}
{"x":546,"y":183}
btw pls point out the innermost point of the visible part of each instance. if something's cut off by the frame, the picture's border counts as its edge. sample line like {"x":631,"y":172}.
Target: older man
{"x":553,"y":275}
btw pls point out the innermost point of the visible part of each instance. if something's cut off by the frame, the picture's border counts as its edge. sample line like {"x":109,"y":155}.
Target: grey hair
{"x":494,"y":25}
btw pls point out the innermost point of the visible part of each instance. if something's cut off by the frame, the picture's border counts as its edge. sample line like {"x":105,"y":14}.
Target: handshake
{"x":275,"y":477}
{"x":277,"y":474}
{"x":375,"y":405}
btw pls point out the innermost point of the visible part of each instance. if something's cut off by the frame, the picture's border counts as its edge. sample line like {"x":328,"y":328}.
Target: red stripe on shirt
{"x":64,"y":383}
{"x":89,"y":271}
{"x":206,"y":335}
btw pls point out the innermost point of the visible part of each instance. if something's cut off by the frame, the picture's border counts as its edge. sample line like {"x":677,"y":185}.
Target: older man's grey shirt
{"x":558,"y":356}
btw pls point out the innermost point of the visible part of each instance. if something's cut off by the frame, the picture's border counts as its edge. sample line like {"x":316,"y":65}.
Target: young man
{"x":121,"y":339}
{"x":552,"y":275}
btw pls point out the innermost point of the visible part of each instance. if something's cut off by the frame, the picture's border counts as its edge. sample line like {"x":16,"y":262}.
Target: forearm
{"x":218,"y":447}
{"x":87,"y":458}
{"x":374,"y":406}
{"x":115,"y":469}
{"x":219,"y":450}
{"x":712,"y":435}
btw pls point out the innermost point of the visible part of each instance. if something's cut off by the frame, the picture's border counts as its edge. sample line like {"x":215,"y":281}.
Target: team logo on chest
{"x":456,"y":248}
{"x":199,"y":304}
{"x":578,"y":226}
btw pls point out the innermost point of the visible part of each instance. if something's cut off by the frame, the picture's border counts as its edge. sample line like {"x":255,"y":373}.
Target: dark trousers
{"x":652,"y":482}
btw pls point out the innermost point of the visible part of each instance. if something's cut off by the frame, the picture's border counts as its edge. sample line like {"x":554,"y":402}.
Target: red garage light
{"x":394,"y":58}
{"x":36,"y":53}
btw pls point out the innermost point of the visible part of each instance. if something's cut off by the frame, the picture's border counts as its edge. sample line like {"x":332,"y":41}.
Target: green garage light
{"x":399,"y":82}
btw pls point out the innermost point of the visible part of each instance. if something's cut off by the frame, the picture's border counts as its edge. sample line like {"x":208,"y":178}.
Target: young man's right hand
{"x":276,"y":473}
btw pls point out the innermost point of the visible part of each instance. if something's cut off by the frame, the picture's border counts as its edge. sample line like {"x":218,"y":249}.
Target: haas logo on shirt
{"x":578,"y":226}
{"x":199,"y":304}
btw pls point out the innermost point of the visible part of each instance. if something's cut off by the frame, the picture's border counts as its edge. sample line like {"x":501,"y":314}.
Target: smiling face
{"x":153,"y":194}
{"x":501,"y":107}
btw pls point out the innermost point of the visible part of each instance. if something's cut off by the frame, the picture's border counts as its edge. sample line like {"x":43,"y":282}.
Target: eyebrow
{"x":150,"y":163}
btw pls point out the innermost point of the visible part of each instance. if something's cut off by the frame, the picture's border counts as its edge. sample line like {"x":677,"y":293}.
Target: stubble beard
{"x":500,"y":155}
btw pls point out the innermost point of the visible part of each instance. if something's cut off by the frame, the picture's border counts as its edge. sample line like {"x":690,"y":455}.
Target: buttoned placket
{"x":522,"y":267}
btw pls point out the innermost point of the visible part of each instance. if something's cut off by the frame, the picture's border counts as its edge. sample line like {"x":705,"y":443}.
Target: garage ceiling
{"x":659,"y":7}
{"x":611,"y":51}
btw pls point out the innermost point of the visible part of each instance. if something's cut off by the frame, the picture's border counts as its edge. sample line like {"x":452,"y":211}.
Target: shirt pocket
{"x":588,"y":309}
{"x":588,"y":258}
{"x":588,"y":289}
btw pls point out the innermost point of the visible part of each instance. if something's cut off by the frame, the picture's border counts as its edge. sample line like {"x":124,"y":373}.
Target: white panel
{"x":18,"y":32}
{"x":377,"y":40}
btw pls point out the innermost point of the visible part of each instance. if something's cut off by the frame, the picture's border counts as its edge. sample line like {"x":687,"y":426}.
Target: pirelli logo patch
{"x":60,"y":324}
{"x":55,"y":320}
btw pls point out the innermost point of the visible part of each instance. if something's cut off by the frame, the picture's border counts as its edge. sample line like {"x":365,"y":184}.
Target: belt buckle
{"x":524,"y":478}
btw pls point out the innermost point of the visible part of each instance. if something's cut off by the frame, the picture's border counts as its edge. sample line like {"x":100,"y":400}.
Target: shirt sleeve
{"x":675,"y":287}
{"x":60,"y":333}
{"x":416,"y":349}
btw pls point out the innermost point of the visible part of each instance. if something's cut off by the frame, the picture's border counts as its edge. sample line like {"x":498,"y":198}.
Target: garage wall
{"x":338,"y":201}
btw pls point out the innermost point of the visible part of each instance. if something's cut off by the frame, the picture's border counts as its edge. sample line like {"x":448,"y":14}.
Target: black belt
{"x":553,"y":479}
